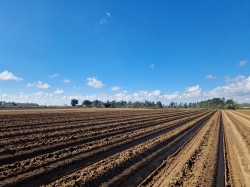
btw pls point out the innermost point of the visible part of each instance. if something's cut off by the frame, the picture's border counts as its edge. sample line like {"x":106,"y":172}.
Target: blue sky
{"x":154,"y":50}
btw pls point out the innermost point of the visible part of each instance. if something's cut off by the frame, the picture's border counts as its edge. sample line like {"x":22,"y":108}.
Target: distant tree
{"x":114,"y":104}
{"x":123,"y":103}
{"x":74,"y":102}
{"x":172,"y":104}
{"x":97,"y":104}
{"x":107,"y":105}
{"x":4,"y":104}
{"x":216,"y":103}
{"x":159,"y":104}
{"x":230,"y":104}
{"x":129,"y":104}
{"x":87,"y":103}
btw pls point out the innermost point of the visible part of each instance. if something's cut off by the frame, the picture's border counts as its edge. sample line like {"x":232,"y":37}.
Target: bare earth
{"x":122,"y":147}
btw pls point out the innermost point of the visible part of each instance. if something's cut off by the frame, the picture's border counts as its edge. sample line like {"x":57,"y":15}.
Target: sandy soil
{"x":238,"y":154}
{"x":194,"y":164}
{"x":81,"y":147}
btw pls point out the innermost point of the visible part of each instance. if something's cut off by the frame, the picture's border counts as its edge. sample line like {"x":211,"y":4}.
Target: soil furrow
{"x":80,"y":128}
{"x":236,"y":148}
{"x":129,"y":158}
{"x":179,"y":168}
{"x":136,"y":173}
{"x":76,"y":124}
{"x":77,"y":140}
{"x":220,"y":176}
{"x":112,"y":149}
{"x":124,"y":147}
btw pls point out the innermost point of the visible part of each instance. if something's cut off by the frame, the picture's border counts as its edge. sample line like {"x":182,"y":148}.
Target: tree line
{"x":117,"y":104}
{"x":215,"y":103}
{"x":4,"y":104}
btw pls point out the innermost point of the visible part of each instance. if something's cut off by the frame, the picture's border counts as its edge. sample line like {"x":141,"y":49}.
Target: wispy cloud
{"x":53,"y":76}
{"x":94,"y":82}
{"x":152,"y":66}
{"x":76,"y":88}
{"x":242,"y":63}
{"x":58,"y":91}
{"x":8,"y":76}
{"x":67,"y":81}
{"x":116,"y":89}
{"x":105,"y":18}
{"x":39,"y":84}
{"x":108,"y":14}
{"x":210,"y":77}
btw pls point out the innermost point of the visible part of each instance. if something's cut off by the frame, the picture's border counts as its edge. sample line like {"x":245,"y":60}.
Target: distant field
{"x":124,"y":147}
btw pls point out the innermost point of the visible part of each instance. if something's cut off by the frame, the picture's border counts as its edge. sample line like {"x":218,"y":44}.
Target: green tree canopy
{"x":74,"y":102}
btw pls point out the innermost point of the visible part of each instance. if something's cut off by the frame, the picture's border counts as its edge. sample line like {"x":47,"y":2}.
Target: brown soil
{"x":237,"y":150}
{"x":124,"y":147}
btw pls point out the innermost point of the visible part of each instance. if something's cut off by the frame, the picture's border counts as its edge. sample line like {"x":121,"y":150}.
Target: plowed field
{"x":124,"y":148}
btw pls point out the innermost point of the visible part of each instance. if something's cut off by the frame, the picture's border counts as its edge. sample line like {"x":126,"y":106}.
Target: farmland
{"x":124,"y":147}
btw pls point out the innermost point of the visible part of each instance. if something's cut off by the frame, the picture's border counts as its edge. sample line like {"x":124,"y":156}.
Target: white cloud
{"x":76,"y":88}
{"x":152,"y":66}
{"x":39,"y":84}
{"x":103,"y":21}
{"x":239,"y":78}
{"x":193,"y":91}
{"x":6,"y":76}
{"x":155,"y":95}
{"x":108,"y":14}
{"x":42,"y":98}
{"x":54,"y":76}
{"x":237,"y":88}
{"x":94,"y":82}
{"x":210,"y":77}
{"x":59,"y":91}
{"x":171,"y":97}
{"x":39,"y":98}
{"x":105,"y":18}
{"x":67,"y":81}
{"x":242,"y":63}
{"x":116,"y":89}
